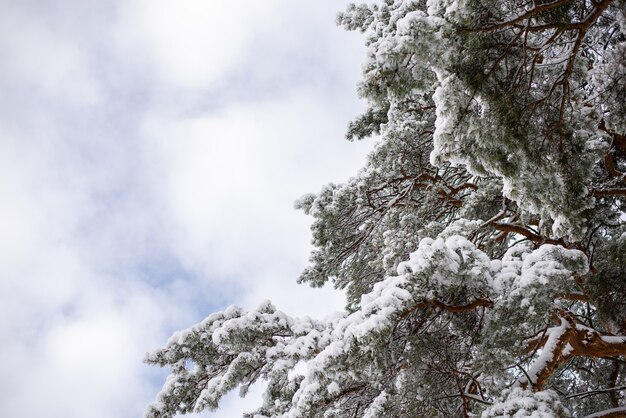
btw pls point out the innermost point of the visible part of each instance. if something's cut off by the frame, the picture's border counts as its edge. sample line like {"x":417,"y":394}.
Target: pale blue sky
{"x":151,"y":151}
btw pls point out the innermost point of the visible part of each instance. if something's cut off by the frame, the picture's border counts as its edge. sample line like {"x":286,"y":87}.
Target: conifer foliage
{"x":483,"y":246}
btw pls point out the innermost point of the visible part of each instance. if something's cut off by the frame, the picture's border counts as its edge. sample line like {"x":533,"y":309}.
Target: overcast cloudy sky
{"x":151,"y":151}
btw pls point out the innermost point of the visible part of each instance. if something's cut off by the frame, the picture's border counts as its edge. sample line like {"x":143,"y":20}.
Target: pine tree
{"x":482,"y":247}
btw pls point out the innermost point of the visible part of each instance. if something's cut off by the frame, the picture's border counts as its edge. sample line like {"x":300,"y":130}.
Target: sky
{"x":151,"y":152}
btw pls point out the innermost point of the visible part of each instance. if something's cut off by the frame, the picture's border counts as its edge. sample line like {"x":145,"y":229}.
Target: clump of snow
{"x":522,"y":403}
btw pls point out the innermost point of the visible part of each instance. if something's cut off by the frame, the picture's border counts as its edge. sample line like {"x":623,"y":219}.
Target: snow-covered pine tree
{"x":482,"y":247}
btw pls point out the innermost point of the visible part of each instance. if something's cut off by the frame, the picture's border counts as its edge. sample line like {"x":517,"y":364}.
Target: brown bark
{"x":577,"y":340}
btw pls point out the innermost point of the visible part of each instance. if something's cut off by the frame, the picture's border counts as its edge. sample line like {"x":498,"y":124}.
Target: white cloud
{"x":43,"y":61}
{"x":85,"y":363}
{"x":152,"y":174}
{"x":190,"y":43}
{"x":227,"y":183}
{"x":73,"y":338}
{"x":32,"y":250}
{"x":197,"y":44}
